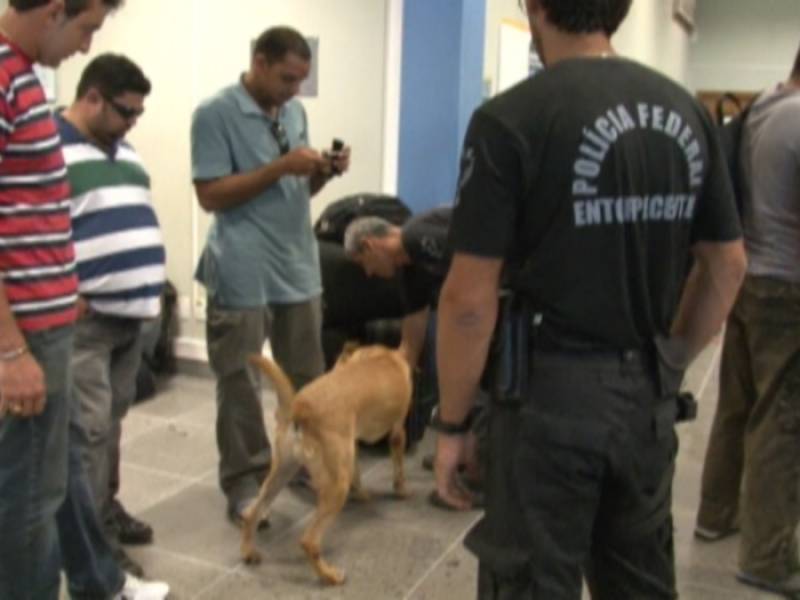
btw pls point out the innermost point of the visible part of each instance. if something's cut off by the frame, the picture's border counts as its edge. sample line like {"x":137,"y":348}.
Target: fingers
{"x":29,"y":406}
{"x":449,"y":452}
{"x":452,"y":493}
{"x":22,"y":388}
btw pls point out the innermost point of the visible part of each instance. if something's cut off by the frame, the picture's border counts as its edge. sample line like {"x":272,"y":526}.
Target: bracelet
{"x":10,"y":355}
{"x":451,"y":428}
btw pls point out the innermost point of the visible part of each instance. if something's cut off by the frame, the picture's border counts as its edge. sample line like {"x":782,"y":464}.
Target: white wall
{"x":650,"y":35}
{"x":498,"y":11}
{"x":743,"y":45}
{"x":191,"y":48}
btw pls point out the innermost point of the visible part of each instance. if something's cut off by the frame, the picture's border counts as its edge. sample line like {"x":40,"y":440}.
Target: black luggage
{"x":337,"y":216}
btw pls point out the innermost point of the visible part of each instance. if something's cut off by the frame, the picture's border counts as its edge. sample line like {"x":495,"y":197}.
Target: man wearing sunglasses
{"x":253,"y":169}
{"x":120,"y":262}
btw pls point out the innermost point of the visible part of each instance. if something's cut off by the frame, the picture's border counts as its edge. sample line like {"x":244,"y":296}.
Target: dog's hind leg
{"x":397,"y":440}
{"x":332,"y":477}
{"x":284,"y":466}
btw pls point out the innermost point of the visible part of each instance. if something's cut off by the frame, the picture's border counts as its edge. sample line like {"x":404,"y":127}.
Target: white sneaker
{"x":138,"y":589}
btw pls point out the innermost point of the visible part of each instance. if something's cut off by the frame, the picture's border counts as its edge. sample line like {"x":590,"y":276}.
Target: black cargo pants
{"x":579,"y":484}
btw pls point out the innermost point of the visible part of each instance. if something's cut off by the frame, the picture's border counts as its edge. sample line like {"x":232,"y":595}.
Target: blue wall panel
{"x":441,"y":82}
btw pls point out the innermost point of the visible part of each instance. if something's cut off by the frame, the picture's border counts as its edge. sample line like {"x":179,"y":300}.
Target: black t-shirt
{"x":425,"y":241}
{"x":594,"y":178}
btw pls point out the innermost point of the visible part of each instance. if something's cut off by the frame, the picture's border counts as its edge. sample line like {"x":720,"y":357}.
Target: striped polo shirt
{"x":118,"y":244}
{"x":37,"y":262}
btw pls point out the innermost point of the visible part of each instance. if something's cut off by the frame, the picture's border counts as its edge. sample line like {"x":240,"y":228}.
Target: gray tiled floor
{"x":390,"y":549}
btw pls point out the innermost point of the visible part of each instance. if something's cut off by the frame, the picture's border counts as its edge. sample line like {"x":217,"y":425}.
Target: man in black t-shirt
{"x":417,"y":252}
{"x":419,"y":255}
{"x":587,"y":187}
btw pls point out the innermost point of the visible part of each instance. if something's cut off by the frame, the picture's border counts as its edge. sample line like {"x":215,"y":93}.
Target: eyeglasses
{"x":279,"y":133}
{"x":126,"y":112}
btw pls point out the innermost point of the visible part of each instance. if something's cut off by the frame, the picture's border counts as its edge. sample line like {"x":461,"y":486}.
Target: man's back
{"x":771,"y":162}
{"x":620,"y":174}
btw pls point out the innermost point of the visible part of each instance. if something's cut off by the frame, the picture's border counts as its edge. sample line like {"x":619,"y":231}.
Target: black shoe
{"x":126,"y":563}
{"x":129,"y":529}
{"x":236,"y":514}
{"x":789,"y":587}
{"x":428,"y":460}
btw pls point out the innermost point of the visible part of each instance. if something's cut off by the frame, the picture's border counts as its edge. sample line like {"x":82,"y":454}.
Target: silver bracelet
{"x":10,"y":355}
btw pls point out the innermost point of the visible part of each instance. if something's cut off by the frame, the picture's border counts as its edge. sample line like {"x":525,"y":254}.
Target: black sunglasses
{"x":279,"y":133}
{"x":126,"y":112}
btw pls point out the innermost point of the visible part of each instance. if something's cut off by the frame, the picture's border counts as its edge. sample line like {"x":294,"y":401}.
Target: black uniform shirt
{"x":597,"y":175}
{"x":425,"y":241}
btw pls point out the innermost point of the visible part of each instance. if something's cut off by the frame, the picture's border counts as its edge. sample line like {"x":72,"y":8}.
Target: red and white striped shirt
{"x":37,"y":260}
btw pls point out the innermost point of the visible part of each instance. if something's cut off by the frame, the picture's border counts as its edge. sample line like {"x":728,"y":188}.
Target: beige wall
{"x":742,"y":45}
{"x":190,"y":49}
{"x":649,"y":34}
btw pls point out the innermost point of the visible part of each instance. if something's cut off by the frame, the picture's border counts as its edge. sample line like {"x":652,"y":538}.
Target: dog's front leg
{"x":397,"y":440}
{"x":357,"y":491}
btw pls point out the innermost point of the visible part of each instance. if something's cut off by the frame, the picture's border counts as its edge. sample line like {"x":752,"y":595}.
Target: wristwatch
{"x":451,"y":428}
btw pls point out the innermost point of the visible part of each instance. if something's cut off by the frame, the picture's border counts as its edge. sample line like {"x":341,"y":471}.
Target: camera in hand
{"x":336,"y":147}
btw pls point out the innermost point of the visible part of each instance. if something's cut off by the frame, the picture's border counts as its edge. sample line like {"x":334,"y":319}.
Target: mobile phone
{"x":337,"y":146}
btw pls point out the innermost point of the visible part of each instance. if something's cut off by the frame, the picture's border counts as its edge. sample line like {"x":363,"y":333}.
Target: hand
{"x":337,"y":162}
{"x":83,"y":307}
{"x":22,"y":387}
{"x":452,"y":451}
{"x":302,"y":161}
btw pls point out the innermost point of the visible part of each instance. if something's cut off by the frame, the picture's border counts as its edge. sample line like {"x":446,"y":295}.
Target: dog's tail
{"x":283,"y":387}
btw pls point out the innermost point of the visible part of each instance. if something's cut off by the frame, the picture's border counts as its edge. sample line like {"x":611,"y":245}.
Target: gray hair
{"x":362,"y":228}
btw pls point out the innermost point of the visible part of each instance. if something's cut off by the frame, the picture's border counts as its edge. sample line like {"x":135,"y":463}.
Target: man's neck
{"x":75,"y":117}
{"x":21,"y":32}
{"x":562,"y":46}
{"x":268,"y":108}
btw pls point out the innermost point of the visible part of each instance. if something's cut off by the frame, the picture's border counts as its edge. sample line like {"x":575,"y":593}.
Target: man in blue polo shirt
{"x":252,"y":167}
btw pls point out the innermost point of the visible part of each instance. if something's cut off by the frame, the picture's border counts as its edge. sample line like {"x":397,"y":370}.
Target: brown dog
{"x":366,"y":396}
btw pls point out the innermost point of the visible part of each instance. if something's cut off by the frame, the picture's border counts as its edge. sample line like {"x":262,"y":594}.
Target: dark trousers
{"x":750,"y":476}
{"x":294,"y":331}
{"x":579,"y":484}
{"x":33,"y":478}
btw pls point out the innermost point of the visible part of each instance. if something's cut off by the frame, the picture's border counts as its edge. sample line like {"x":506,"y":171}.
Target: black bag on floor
{"x":337,"y":216}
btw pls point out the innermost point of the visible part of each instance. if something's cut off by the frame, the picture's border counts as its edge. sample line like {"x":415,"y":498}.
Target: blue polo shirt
{"x":263,"y":251}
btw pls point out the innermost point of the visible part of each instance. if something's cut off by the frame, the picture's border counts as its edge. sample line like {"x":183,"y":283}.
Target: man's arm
{"x":22,"y":388}
{"x":466,"y":319}
{"x":708,"y":296}
{"x":233,"y":190}
{"x":413,"y":330}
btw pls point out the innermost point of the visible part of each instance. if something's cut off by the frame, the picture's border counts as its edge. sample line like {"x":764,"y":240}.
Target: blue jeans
{"x":92,"y":571}
{"x":33,"y":479}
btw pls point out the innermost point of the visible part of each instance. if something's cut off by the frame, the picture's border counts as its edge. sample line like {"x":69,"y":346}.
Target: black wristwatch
{"x":451,"y":428}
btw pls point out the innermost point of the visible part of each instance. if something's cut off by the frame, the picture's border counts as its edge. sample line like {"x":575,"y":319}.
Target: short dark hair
{"x":112,"y":75}
{"x":72,"y":7}
{"x":586,"y":16}
{"x":275,"y":43}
